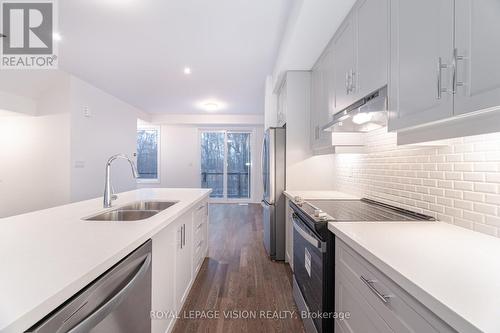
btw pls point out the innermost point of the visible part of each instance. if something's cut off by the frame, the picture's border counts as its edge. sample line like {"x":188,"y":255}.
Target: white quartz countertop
{"x":320,"y":195}
{"x":47,"y":256}
{"x":453,"y":271}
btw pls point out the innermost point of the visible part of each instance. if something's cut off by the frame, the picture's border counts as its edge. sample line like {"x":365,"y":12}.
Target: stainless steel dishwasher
{"x":119,"y":301}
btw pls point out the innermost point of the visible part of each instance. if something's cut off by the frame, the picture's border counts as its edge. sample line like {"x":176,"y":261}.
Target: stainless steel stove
{"x":313,"y":250}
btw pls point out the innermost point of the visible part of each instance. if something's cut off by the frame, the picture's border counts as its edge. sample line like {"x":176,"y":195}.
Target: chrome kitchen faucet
{"x":109,"y":196}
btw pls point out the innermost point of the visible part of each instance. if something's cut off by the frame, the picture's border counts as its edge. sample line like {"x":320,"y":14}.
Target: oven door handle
{"x":310,"y":239}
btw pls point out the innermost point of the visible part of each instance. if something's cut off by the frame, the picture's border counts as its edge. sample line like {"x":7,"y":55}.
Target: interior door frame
{"x":247,"y":130}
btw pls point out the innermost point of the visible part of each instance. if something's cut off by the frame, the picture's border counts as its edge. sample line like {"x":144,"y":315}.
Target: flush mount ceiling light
{"x":187,"y":70}
{"x":362,"y":118}
{"x":211,"y":106}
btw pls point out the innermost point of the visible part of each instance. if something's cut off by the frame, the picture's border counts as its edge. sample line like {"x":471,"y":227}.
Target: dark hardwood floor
{"x":239,"y":279}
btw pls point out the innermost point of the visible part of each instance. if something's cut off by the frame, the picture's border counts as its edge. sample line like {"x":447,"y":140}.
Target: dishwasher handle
{"x":100,"y":313}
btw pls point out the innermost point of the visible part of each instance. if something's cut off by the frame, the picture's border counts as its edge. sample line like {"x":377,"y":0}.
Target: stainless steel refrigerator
{"x":273,"y":202}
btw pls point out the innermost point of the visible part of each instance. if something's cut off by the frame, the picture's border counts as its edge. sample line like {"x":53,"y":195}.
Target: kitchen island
{"x":47,"y":256}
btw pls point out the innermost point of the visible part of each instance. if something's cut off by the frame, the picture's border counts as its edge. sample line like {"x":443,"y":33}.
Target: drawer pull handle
{"x":370,"y":285}
{"x":201,"y":207}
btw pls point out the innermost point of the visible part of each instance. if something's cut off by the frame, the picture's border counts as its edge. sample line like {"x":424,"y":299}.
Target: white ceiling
{"x":310,"y":27}
{"x":137,"y":49}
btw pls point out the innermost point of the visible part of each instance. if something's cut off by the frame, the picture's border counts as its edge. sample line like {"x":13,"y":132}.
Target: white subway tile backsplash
{"x":467,"y":205}
{"x":486,"y":229}
{"x":458,"y":183}
{"x":454,"y":194}
{"x":465,"y":186}
{"x":474,"y":217}
{"x":464,"y":223}
{"x":463,"y":167}
{"x":485,"y":208}
{"x":485,"y":187}
{"x":493,"y":177}
{"x":474,"y":176}
{"x":474,"y":196}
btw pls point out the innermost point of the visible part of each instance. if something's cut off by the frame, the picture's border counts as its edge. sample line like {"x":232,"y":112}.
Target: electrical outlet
{"x":79,"y":164}
{"x":86,"y":112}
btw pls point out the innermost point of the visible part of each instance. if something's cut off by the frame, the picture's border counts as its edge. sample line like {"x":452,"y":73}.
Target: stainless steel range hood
{"x":367,"y":114}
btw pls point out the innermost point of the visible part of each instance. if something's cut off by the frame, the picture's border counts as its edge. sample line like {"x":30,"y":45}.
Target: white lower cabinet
{"x":178,"y":252}
{"x":375,"y":302}
{"x":183,"y":269}
{"x":163,"y":279}
{"x":200,"y":236}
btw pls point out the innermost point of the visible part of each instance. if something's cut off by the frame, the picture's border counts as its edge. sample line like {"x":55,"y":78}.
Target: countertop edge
{"x":43,"y":309}
{"x":434,"y":305}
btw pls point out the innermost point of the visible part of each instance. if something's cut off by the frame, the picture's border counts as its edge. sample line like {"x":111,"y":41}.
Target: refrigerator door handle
{"x":271,"y":143}
{"x":262,"y":165}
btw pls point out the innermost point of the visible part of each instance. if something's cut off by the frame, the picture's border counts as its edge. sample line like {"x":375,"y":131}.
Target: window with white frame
{"x":148,"y":154}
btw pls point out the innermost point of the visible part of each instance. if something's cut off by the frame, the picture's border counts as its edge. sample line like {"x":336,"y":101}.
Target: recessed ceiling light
{"x":187,"y":70}
{"x":56,"y":36}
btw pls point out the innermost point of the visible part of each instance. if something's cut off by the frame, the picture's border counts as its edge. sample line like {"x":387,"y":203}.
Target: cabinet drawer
{"x":363,"y":318}
{"x":199,"y":253}
{"x":398,"y":309}
{"x":200,"y":230}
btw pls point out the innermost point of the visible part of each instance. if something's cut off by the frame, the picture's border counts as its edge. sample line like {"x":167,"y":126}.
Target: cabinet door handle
{"x":180,"y":238}
{"x":440,"y":67}
{"x":183,"y":235}
{"x":352,"y":86}
{"x":454,"y":82}
{"x":347,"y":79}
{"x":370,"y":284}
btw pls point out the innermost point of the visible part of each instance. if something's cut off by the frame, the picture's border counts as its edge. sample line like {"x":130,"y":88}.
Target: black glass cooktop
{"x":357,"y":211}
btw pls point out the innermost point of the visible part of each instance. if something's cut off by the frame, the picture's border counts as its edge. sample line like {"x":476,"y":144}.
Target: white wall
{"x":110,"y":129}
{"x":180,"y":157}
{"x":457,"y":183}
{"x":19,"y":104}
{"x":310,"y":27}
{"x":38,"y":152}
{"x":34,"y":155}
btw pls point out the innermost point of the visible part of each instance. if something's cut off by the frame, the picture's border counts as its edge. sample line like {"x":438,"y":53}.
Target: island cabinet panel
{"x":178,"y":253}
{"x":371,"y":296}
{"x":163,"y":279}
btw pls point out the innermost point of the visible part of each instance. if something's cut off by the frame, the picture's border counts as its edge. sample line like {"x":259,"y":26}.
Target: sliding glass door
{"x":226,"y":164}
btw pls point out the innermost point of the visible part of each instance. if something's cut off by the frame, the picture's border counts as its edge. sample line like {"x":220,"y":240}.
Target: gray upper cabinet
{"x":281,"y":103}
{"x":344,"y":44}
{"x":322,"y":102}
{"x":443,"y":61}
{"x":421,"y":35}
{"x":477,"y":51}
{"x":372,"y":45}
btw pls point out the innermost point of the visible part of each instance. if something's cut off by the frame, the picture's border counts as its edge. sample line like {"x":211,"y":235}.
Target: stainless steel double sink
{"x":136,"y":211}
